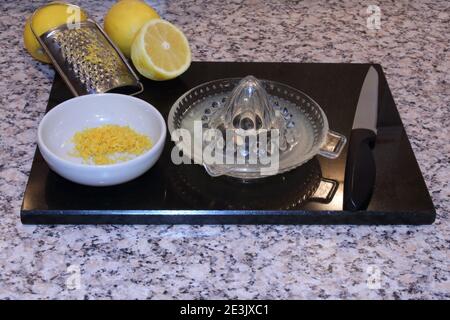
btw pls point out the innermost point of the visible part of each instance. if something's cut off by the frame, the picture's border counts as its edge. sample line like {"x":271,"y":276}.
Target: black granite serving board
{"x":185,"y":194}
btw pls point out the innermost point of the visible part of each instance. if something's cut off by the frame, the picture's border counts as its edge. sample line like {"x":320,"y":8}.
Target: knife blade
{"x":360,"y":169}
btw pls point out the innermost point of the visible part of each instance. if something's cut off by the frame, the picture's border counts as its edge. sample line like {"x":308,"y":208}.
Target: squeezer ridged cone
{"x":255,"y":128}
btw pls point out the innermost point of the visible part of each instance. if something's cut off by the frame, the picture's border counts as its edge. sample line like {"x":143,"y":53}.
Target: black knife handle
{"x":360,"y":170}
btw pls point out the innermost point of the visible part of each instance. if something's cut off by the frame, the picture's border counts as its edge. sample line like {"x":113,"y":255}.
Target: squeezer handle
{"x":333,"y":145}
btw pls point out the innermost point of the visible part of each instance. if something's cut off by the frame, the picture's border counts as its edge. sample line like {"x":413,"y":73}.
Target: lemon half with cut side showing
{"x":160,"y":51}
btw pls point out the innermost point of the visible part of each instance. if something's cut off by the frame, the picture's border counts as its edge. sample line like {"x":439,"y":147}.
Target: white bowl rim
{"x":153,"y":149}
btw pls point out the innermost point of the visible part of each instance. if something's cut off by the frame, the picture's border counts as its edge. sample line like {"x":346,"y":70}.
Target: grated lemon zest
{"x":109,"y":144}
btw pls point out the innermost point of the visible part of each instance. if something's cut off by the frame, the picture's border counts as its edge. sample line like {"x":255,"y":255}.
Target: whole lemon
{"x":124,"y":20}
{"x":46,"y":18}
{"x":32,"y":45}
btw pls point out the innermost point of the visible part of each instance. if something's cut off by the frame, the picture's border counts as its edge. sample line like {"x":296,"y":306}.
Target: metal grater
{"x":88,"y":61}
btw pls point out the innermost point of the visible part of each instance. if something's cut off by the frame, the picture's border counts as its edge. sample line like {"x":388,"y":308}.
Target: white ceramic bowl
{"x":60,"y":124}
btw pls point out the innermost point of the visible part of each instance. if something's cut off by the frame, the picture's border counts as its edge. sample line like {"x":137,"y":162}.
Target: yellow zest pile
{"x":109,"y":144}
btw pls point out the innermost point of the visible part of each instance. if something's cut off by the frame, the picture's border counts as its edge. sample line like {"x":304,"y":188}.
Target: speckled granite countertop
{"x":242,"y":261}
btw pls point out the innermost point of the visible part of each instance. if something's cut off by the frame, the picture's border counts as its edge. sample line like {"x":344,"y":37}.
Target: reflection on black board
{"x":283,"y":191}
{"x":147,"y":191}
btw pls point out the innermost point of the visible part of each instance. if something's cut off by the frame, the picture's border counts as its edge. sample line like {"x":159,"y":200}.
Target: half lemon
{"x":160,"y":51}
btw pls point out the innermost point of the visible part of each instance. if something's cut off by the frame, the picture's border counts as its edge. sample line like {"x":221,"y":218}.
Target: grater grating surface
{"x":88,"y":61}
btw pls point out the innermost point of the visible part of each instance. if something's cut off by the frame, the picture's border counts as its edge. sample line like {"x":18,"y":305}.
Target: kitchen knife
{"x":360,"y":167}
